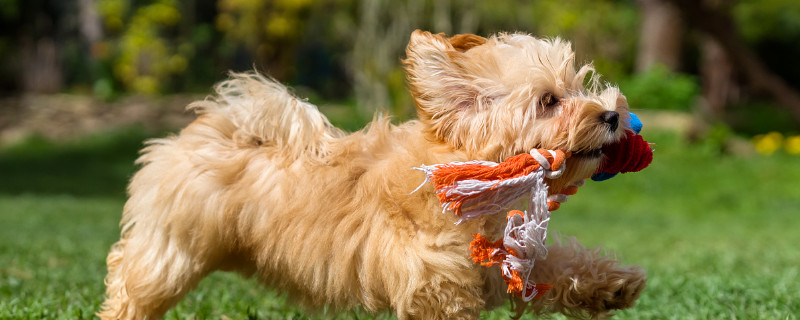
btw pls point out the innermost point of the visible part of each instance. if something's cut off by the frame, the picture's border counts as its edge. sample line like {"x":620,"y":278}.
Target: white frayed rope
{"x":496,"y":196}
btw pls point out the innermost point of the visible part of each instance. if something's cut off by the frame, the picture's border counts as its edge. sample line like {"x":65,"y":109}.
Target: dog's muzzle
{"x":611,"y":118}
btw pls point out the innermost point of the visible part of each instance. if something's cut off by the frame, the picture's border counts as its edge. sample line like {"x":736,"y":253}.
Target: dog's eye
{"x":548,"y":100}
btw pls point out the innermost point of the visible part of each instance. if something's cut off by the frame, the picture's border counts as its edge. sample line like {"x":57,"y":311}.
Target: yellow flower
{"x":792,"y":145}
{"x":769,"y":143}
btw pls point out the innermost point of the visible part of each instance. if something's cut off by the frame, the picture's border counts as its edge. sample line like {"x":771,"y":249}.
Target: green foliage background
{"x":167,"y":46}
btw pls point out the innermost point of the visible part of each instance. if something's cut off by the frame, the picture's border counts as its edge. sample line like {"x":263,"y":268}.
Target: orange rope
{"x":513,"y":167}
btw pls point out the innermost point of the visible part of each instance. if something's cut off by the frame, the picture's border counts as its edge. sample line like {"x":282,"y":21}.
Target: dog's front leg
{"x":586,"y":282}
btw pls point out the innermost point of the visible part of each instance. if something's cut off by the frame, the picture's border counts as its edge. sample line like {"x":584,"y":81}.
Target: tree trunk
{"x":41,"y":66}
{"x":661,"y":35}
{"x":91,"y":27}
{"x":719,"y":86}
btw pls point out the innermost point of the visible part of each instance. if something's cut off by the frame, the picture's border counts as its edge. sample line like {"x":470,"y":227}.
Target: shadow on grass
{"x":96,"y":165}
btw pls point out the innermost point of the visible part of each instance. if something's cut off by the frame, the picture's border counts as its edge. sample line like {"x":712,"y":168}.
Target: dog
{"x":262,"y":184}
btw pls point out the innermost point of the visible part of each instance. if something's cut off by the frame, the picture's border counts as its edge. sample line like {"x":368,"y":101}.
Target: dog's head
{"x":497,"y":97}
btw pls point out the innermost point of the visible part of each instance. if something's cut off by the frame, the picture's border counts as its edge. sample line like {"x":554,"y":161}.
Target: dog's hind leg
{"x":446,"y":300}
{"x":443,"y":290}
{"x":586,"y":282}
{"x":146,"y":277}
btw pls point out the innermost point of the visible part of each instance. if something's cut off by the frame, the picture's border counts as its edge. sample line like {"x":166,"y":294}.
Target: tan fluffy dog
{"x":261,"y":183}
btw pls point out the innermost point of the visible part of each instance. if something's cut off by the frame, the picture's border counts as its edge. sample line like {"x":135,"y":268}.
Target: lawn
{"x":718,"y":235}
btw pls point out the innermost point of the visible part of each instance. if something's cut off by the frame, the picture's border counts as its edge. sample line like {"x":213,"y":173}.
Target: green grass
{"x":717,"y":235}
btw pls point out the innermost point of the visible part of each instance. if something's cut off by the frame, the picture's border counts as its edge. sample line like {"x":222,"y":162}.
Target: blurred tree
{"x":300,"y":41}
{"x":39,"y":26}
{"x":44,"y":45}
{"x":660,"y":35}
{"x":91,"y":27}
{"x":719,"y":25}
{"x":771,"y":28}
{"x":380,"y":40}
{"x":720,"y":86}
{"x":144,"y":56}
{"x":383,"y":28}
{"x":269,"y":30}
{"x":602,"y":31}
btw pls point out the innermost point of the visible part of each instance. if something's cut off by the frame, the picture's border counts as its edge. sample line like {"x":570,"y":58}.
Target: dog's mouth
{"x":588,"y":154}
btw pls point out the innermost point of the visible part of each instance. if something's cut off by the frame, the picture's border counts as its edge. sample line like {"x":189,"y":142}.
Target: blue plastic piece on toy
{"x":602,"y":176}
{"x":635,"y":123}
{"x":636,"y":126}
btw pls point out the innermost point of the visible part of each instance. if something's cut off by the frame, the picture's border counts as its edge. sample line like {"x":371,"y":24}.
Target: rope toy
{"x":631,"y":154}
{"x":476,"y":188}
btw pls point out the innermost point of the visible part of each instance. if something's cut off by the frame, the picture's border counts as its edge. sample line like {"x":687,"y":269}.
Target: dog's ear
{"x":464,"y":42}
{"x":443,"y":79}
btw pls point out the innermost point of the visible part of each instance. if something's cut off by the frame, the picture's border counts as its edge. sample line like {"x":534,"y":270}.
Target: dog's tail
{"x":265,"y":113}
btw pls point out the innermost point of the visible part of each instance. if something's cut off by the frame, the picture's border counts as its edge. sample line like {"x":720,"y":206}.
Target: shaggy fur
{"x":262,"y":184}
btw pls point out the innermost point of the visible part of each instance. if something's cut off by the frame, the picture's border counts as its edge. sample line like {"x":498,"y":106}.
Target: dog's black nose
{"x":612,"y":118}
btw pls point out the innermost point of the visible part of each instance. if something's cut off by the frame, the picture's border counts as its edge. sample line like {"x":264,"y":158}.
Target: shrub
{"x":658,"y":88}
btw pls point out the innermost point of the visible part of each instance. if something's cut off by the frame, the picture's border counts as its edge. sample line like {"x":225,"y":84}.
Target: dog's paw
{"x":612,"y":289}
{"x":622,"y":289}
